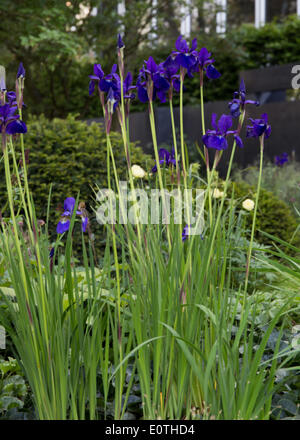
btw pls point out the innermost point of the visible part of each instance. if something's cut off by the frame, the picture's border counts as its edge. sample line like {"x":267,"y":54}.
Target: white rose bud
{"x":248,"y":204}
{"x":138,"y":171}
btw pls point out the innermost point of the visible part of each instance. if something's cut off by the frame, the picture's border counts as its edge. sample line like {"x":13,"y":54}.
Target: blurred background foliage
{"x":58,"y":42}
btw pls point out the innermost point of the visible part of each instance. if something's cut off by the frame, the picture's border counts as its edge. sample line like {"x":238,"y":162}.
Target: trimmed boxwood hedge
{"x":72,"y":156}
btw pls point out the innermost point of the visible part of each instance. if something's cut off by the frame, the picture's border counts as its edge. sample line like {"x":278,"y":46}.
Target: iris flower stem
{"x":241,"y":120}
{"x":25,"y":172}
{"x":222,"y":201}
{"x":118,"y":402}
{"x":12,"y":213}
{"x":26,"y":185}
{"x":154,"y":139}
{"x":181,"y":125}
{"x":124,"y":124}
{"x":21,"y":190}
{"x":128,"y":135}
{"x":175,"y":142}
{"x":182,"y":145}
{"x":110,"y":150}
{"x":34,"y":241}
{"x":18,"y":246}
{"x":206,"y":155}
{"x":218,"y":217}
{"x":255,"y":212}
{"x":111,"y":154}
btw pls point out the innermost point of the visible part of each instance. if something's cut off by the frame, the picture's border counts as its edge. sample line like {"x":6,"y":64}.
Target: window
{"x":240,"y":11}
{"x":280,"y":8}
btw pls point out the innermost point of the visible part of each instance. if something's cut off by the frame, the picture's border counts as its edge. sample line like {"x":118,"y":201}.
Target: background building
{"x":224,"y":14}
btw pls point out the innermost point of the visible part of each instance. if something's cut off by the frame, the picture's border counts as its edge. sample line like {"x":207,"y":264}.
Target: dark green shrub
{"x":272,"y":44}
{"x":72,"y":156}
{"x":274,"y":216}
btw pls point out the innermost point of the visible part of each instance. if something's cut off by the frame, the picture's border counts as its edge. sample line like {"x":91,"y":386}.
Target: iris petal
{"x":142,"y":94}
{"x":63,"y":226}
{"x":91,"y":87}
{"x":212,"y":72}
{"x":84,"y":222}
{"x":224,"y":124}
{"x":239,"y":141}
{"x":216,"y":142}
{"x":69,"y":204}
{"x":16,"y":127}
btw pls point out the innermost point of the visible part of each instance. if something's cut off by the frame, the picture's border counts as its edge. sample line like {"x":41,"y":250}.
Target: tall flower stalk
{"x":255,"y":213}
{"x":154,"y":139}
{"x":259,"y":129}
{"x":174,"y":141}
{"x":206,"y":155}
{"x":205,"y":65}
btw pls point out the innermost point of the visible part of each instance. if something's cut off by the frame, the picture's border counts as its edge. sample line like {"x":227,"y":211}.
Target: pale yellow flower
{"x":217,"y":194}
{"x":138,"y":172}
{"x":248,"y":204}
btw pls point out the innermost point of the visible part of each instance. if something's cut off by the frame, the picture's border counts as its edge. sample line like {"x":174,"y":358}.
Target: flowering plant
{"x":162,"y":295}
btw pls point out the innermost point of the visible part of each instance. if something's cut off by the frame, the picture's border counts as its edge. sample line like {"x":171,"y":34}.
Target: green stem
{"x":255,"y":212}
{"x":175,"y":142}
{"x":126,"y":142}
{"x":182,"y":142}
{"x":25,"y":172}
{"x":29,"y":225}
{"x":205,"y":149}
{"x":153,"y":132}
{"x":18,"y":246}
{"x":181,"y":125}
{"x":118,"y":402}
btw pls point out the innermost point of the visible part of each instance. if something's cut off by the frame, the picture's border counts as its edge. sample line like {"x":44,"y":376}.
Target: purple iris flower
{"x":64,"y":224}
{"x":186,"y":56}
{"x":114,"y":92}
{"x":142,"y":90}
{"x":95,"y":78}
{"x":112,"y":101}
{"x":51,"y":256}
{"x":12,"y":99}
{"x":217,"y":138}
{"x":51,"y":253}
{"x":9,"y":122}
{"x":120,"y":43}
{"x":112,"y":80}
{"x":171,"y":65}
{"x":165,"y":158}
{"x":170,"y":70}
{"x":21,"y":71}
{"x":282,"y":159}
{"x":259,"y":127}
{"x":151,"y":81}
{"x":205,"y":64}
{"x":185,"y":233}
{"x":239,"y":101}
{"x":128,"y":87}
